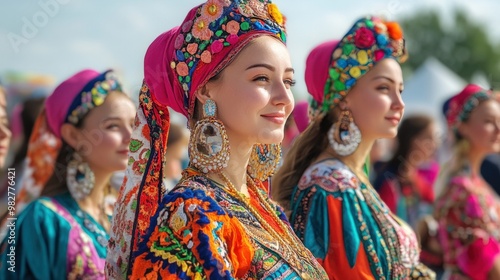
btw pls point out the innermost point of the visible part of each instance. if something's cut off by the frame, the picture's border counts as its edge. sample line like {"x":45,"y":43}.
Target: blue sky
{"x":77,"y":34}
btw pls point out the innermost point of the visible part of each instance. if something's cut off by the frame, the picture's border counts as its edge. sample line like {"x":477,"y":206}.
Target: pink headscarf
{"x":461,"y":105}
{"x":69,"y":102}
{"x":176,"y":65}
{"x":316,"y":73}
{"x":301,"y":115}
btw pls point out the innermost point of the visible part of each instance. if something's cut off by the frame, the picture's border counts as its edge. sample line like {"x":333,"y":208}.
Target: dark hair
{"x":411,"y":127}
{"x":175,"y":134}
{"x":31,"y":110}
{"x":306,"y":148}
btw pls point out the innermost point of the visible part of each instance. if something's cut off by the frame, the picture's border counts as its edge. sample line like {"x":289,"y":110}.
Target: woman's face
{"x":253,"y":95}
{"x":103,"y":140}
{"x":425,"y":144}
{"x":375,"y":101}
{"x":482,"y":129}
{"x":5,"y":133}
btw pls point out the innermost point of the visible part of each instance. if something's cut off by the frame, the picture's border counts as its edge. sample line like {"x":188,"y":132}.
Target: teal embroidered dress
{"x":55,"y":239}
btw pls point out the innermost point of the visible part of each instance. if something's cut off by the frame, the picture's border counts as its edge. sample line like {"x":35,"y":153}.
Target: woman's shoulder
{"x":331,"y":175}
{"x":196,"y":194}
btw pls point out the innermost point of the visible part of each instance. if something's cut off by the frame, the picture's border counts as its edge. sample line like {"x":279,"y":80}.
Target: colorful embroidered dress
{"x":55,"y":239}
{"x":200,"y":231}
{"x":349,"y":229}
{"x":469,"y":227}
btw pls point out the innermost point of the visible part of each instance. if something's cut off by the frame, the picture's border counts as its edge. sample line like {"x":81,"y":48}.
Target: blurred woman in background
{"x":80,"y":138}
{"x":467,"y":210}
{"x":400,"y":183}
{"x":356,"y":84}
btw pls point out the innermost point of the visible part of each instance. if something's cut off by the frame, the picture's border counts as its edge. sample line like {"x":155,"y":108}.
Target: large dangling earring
{"x":208,"y":144}
{"x":263,"y":160}
{"x":79,"y":177}
{"x":347,"y":132}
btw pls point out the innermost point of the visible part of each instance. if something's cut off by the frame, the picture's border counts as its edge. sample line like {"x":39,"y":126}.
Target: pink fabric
{"x":317,"y":65}
{"x":301,"y":115}
{"x":458,"y":101}
{"x":59,"y":102}
{"x":162,"y":80}
{"x":478,"y":259}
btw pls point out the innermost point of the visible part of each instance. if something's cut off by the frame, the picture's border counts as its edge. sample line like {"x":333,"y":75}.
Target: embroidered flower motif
{"x":394,"y":30}
{"x":362,"y":57}
{"x":179,"y":40}
{"x":217,"y":46}
{"x":206,"y":57}
{"x":364,"y":38}
{"x":379,"y":54}
{"x":182,"y":69}
{"x":232,"y":39}
{"x":200,"y":29}
{"x":355,"y":72}
{"x":232,"y":27}
{"x":192,"y":48}
{"x":212,"y":10}
{"x":275,"y":13}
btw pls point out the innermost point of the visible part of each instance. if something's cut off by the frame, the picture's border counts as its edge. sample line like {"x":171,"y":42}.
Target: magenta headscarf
{"x":69,"y":103}
{"x":177,"y":63}
{"x":462,"y":104}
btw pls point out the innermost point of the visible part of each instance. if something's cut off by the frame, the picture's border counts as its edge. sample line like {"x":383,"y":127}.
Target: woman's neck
{"x":475,"y":161}
{"x":356,"y":160}
{"x":94,"y":202}
{"x":236,"y":170}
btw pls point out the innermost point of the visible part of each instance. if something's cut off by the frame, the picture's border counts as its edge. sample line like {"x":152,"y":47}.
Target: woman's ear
{"x":71,"y":135}
{"x":462,"y":129}
{"x":203,"y":94}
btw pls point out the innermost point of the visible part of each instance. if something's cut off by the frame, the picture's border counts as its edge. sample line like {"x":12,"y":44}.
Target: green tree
{"x":464,"y":46}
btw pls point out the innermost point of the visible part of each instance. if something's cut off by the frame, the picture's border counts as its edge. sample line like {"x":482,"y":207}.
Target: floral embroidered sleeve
{"x":468,"y":228}
{"x":192,"y":237}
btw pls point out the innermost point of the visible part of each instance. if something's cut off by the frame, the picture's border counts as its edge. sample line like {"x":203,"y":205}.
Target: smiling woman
{"x":228,"y":70}
{"x":79,"y":140}
{"x":356,"y":84}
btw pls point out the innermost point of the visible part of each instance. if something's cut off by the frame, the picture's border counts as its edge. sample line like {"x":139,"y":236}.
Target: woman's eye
{"x":112,"y":126}
{"x":290,"y":82}
{"x":261,"y":79}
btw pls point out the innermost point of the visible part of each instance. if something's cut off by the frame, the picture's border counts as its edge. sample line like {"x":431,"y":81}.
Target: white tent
{"x":429,"y":87}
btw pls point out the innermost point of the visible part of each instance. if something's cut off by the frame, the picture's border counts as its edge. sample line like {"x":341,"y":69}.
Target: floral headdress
{"x":177,"y":64}
{"x":461,"y":105}
{"x":368,"y":41}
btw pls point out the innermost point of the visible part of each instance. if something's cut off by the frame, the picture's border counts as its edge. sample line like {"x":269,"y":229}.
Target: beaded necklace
{"x":101,"y":234}
{"x":289,"y":241}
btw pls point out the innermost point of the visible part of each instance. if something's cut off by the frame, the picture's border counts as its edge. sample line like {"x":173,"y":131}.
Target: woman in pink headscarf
{"x":468,"y":211}
{"x":80,"y":138}
{"x":356,"y":84}
{"x":227,"y":69}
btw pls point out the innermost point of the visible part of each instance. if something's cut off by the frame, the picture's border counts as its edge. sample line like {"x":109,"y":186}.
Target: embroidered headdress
{"x":461,"y":105}
{"x":333,"y":68}
{"x":177,"y":64}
